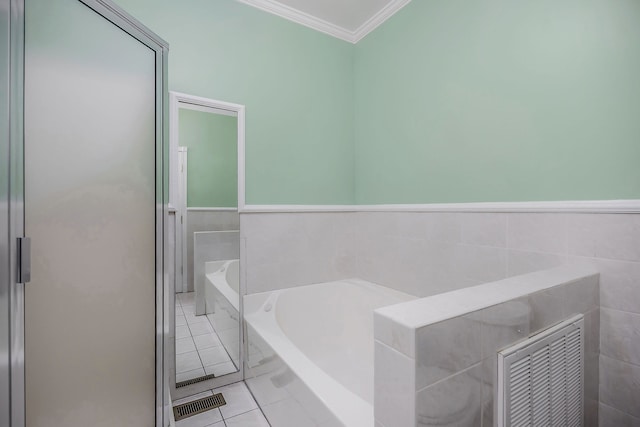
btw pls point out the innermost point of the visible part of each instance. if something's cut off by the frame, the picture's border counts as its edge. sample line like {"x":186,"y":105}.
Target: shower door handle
{"x":24,"y":259}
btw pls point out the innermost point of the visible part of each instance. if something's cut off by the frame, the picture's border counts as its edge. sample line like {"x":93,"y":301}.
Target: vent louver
{"x":540,"y":380}
{"x":195,"y":380}
{"x":199,"y":406}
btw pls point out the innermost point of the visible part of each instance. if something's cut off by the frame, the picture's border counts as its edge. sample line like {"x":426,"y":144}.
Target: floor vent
{"x":195,"y":380}
{"x":541,"y":380}
{"x":195,"y":407}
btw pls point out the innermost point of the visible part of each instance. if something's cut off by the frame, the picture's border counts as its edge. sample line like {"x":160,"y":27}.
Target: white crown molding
{"x":303,"y":18}
{"x":580,"y":206}
{"x":378,"y":19}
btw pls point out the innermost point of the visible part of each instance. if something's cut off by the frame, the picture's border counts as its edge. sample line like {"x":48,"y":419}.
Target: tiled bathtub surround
{"x":211,"y":246}
{"x":436,"y":357}
{"x":427,"y":253}
{"x":294,"y":249}
{"x":206,"y":220}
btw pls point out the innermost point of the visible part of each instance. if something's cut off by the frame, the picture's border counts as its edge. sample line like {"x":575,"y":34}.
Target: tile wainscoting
{"x":205,"y":220}
{"x":428,"y":253}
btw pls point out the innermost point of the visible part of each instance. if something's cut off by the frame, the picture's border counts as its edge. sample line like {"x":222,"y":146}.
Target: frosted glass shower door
{"x":90,"y":210}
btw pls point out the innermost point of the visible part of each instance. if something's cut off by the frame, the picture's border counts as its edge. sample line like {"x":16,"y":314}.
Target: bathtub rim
{"x":218,"y":279}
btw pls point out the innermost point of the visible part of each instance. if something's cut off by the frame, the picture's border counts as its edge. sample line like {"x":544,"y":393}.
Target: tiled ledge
{"x":436,"y":357}
{"x":395,"y":325}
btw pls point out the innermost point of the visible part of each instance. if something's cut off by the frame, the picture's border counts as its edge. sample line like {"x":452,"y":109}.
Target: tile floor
{"x":241,"y":409}
{"x":199,"y":351}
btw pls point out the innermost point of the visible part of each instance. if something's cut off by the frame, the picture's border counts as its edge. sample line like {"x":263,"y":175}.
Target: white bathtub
{"x":310,"y":355}
{"x":222,"y":300}
{"x":223,"y":281}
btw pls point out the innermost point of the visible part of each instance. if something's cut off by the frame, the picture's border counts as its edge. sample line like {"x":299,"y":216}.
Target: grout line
{"x":604,"y":307}
{"x":197,"y":352}
{"x":601,"y":354}
{"x":475,"y":365}
{"x":633,"y":417}
{"x":255,"y":400}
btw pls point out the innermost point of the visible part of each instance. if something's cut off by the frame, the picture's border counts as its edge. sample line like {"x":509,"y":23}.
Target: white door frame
{"x":179,"y":100}
{"x":176,"y":101}
{"x":181,"y":226}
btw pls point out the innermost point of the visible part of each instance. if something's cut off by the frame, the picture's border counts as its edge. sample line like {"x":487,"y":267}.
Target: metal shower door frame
{"x":116,"y":15}
{"x":12,"y":406}
{"x":12,"y":204}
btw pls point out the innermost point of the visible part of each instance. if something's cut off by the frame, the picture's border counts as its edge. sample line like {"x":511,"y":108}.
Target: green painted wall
{"x":500,"y":100}
{"x":212,"y":158}
{"x":447,"y":101}
{"x":296,"y":83}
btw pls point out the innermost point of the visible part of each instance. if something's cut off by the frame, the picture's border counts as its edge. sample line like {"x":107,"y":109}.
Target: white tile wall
{"x":453,"y":365}
{"x":622,"y":340}
{"x":455,"y":401}
{"x":206,"y":221}
{"x":210,"y":246}
{"x":394,"y":400}
{"x":289,"y":249}
{"x":429,"y":253}
{"x":611,"y":417}
{"x":619,"y":385}
{"x":447,"y":347}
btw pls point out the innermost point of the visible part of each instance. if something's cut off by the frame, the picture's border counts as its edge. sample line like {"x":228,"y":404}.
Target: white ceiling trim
{"x":302,"y":18}
{"x":378,"y":19}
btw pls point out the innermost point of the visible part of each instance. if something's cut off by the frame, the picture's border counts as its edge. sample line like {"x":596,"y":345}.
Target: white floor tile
{"x":288,"y":412}
{"x":264,"y":391}
{"x":186,"y":297}
{"x":180,"y":320}
{"x":185,"y":345}
{"x":213,"y":356}
{"x":179,"y":311}
{"x":207,"y":341}
{"x":224,"y":324}
{"x":182,"y":332}
{"x":188,"y":362}
{"x":204,"y":419}
{"x":238,"y":399}
{"x":249,"y":419}
{"x":189,"y":375}
{"x":220,"y":369}
{"x":200,"y":329}
{"x":192,"y":318}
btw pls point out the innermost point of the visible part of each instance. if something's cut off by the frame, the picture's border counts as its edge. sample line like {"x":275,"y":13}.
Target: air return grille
{"x":195,"y":380}
{"x":540,"y":380}
{"x":196,"y":407}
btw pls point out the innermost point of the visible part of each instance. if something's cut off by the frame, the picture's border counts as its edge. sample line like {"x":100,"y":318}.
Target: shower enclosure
{"x":89,"y":193}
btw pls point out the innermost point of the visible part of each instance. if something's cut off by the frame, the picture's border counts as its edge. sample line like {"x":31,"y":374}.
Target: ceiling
{"x":349,"y":20}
